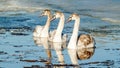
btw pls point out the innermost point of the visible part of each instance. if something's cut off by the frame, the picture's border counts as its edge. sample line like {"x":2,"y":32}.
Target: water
{"x":99,"y":18}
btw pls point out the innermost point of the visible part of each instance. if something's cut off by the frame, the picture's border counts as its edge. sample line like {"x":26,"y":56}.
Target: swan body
{"x":85,"y":41}
{"x":56,"y":35}
{"x":51,"y":37}
{"x":37,"y":31}
{"x":42,"y":31}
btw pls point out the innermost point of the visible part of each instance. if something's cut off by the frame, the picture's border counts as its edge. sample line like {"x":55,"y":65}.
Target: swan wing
{"x":64,"y":37}
{"x":85,"y":41}
{"x":51,"y":35}
{"x":37,"y":31}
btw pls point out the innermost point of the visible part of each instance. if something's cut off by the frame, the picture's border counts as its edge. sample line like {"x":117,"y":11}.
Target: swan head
{"x":57,"y":14}
{"x":73,"y":16}
{"x":46,"y":12}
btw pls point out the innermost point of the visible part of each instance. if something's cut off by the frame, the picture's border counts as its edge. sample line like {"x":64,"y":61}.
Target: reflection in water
{"x":80,"y":54}
{"x":73,"y":57}
{"x":56,"y":46}
{"x":85,"y":53}
{"x":74,"y":54}
{"x":44,"y":42}
{"x":58,"y":49}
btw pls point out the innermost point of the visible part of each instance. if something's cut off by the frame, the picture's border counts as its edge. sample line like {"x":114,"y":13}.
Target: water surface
{"x":99,"y":18}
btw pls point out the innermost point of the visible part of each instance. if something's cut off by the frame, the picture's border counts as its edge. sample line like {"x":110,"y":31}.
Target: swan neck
{"x":73,"y":40}
{"x":46,"y":27}
{"x":48,"y":22}
{"x":60,"y":25}
{"x":76,"y":28}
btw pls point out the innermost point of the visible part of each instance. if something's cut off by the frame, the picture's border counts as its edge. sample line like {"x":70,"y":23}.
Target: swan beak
{"x":68,"y":20}
{"x":42,"y":14}
{"x":53,"y":18}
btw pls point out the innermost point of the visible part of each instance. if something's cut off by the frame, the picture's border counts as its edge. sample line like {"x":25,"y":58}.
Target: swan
{"x":56,"y":35}
{"x":76,"y":42}
{"x":83,"y":40}
{"x":42,"y":31}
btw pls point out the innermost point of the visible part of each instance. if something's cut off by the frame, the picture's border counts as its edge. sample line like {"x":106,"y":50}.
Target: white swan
{"x":56,"y":35}
{"x":42,"y":31}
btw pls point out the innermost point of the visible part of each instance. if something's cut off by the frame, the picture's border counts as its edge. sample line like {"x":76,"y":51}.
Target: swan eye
{"x":70,"y":17}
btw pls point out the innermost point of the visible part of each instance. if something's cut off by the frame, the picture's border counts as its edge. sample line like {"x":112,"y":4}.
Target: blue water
{"x":100,"y":18}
